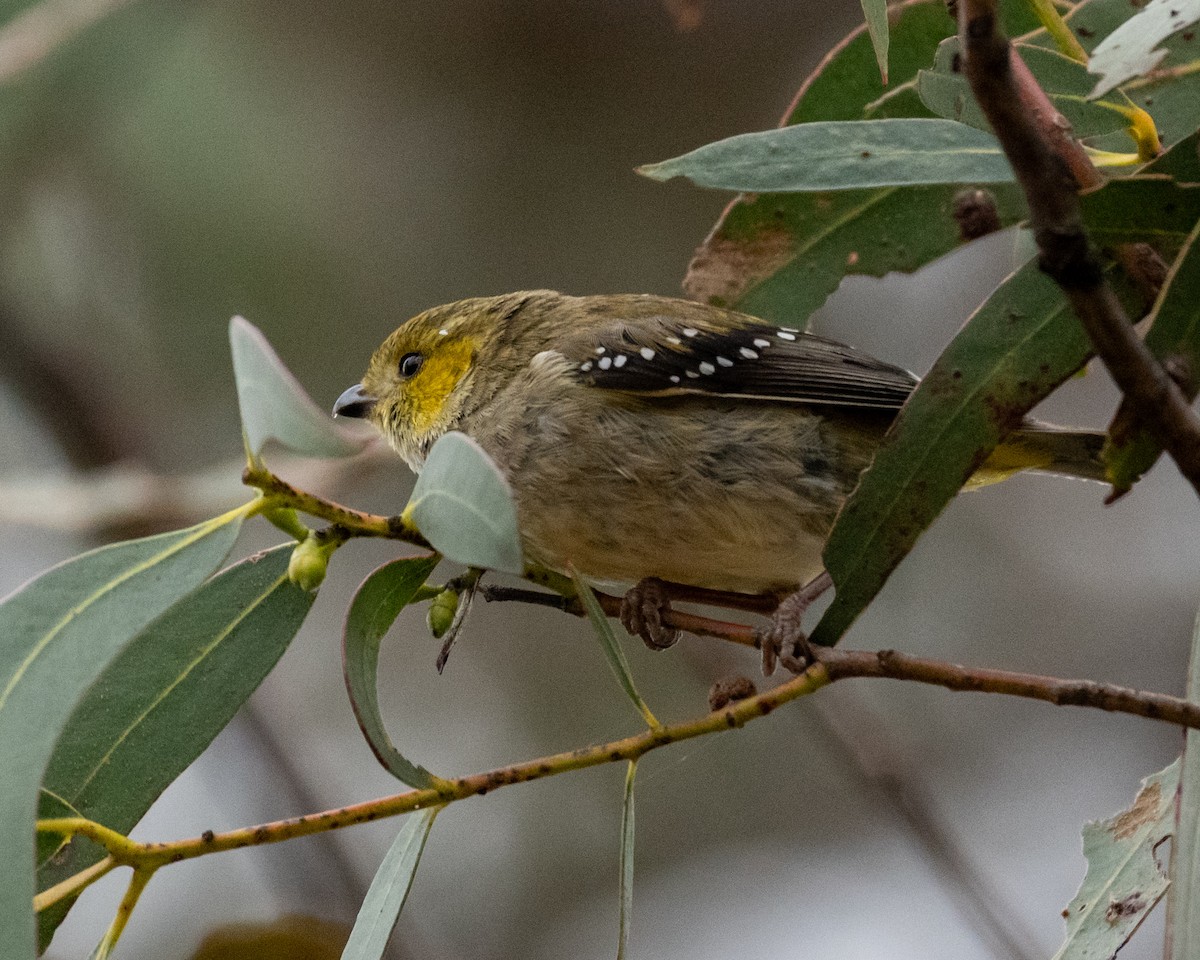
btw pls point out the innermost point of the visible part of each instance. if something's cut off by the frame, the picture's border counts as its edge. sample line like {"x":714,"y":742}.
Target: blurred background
{"x":329,"y":170}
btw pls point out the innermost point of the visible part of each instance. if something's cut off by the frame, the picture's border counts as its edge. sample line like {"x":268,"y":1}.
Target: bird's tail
{"x":1044,"y":448}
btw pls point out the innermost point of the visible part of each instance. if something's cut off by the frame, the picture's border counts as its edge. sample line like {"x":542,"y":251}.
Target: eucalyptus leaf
{"x":626,"y":884}
{"x":1183,"y":904}
{"x":780,"y":255}
{"x":1016,"y":348}
{"x":385,"y":899}
{"x":376,"y":604}
{"x":875,"y":12}
{"x":275,"y":407}
{"x":846,"y":155}
{"x":57,"y":634}
{"x":1130,"y":50}
{"x":1124,"y":880}
{"x":160,"y":702}
{"x":1147,"y":209}
{"x":463,"y":506}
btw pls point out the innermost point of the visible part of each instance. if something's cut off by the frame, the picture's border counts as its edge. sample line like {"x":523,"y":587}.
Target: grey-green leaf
{"x":1129,"y":51}
{"x":1183,"y":905}
{"x":275,"y":407}
{"x":1123,"y":881}
{"x":374,"y":609}
{"x":612,"y":649}
{"x":57,"y":633}
{"x":463,"y":506}
{"x":163,"y":699}
{"x":843,"y":156}
{"x":385,"y":899}
{"x":626,"y":885}
{"x":876,"y":14}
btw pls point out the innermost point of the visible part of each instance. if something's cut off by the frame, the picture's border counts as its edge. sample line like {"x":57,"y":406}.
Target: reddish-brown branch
{"x":1047,"y":164}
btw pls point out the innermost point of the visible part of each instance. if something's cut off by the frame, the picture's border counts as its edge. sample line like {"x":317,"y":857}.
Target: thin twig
{"x":1046,"y":166}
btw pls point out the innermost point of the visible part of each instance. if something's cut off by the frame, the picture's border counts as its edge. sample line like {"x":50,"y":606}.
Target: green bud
{"x":442,"y":609}
{"x":308,"y":563}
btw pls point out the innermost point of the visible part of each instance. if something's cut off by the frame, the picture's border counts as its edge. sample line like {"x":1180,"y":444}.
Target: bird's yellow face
{"x":417,"y":383}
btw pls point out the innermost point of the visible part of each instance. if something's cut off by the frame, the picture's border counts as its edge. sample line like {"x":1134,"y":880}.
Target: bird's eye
{"x":410,"y":363}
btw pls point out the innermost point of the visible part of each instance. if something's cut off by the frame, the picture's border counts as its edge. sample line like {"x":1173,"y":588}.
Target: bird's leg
{"x":642,"y":611}
{"x":785,"y":640}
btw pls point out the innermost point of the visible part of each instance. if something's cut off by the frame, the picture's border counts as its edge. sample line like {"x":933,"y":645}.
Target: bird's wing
{"x":718,"y":353}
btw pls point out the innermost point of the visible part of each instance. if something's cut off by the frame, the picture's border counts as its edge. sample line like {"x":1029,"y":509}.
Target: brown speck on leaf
{"x":1143,"y":811}
{"x":1128,"y":906}
{"x":1190,"y":35}
{"x":723,"y":269}
{"x":1085,"y":32}
{"x":975,"y":213}
{"x":728,"y":689}
{"x":866,"y":154}
{"x":852,"y":259}
{"x":207,"y":836}
{"x":956,"y":63}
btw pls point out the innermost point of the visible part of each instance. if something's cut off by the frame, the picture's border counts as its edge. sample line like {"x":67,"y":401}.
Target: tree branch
{"x":1045,"y":159}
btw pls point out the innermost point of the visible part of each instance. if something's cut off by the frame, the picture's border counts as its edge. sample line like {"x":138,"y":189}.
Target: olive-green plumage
{"x":646,"y":436}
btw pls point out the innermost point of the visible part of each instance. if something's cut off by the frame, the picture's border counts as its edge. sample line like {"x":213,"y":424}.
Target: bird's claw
{"x":642,"y":611}
{"x":784,"y":641}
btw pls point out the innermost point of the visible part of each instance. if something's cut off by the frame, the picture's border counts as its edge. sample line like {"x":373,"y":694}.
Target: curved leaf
{"x":1016,"y":348}
{"x":275,"y":407}
{"x":163,"y":699}
{"x":1129,"y":51}
{"x":1183,"y":905}
{"x":57,"y":633}
{"x":875,"y":13}
{"x":464,"y":507}
{"x":626,"y":885}
{"x":845,"y":155}
{"x":376,"y":604}
{"x":1148,"y":209}
{"x":385,"y":898}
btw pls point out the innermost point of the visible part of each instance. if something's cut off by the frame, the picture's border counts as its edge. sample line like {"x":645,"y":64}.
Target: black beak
{"x":355,"y":402}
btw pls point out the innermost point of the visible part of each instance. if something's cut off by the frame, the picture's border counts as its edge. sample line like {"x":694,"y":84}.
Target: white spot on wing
{"x":647,"y":353}
{"x":674,"y":379}
{"x":599,"y":350}
{"x":748,"y":353}
{"x":725,"y":361}
{"x":605,"y":363}
{"x":761,"y":343}
{"x":707,"y":368}
{"x":620,"y":360}
{"x":586,"y":366}
{"x":675,"y":340}
{"x":443,"y":333}
{"x":689,"y":331}
{"x":786,"y":335}
{"x":692,"y":374}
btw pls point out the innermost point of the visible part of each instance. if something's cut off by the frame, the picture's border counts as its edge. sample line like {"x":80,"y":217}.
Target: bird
{"x":656,"y":441}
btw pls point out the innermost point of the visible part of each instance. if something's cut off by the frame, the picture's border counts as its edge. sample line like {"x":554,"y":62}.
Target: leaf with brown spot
{"x":1124,"y":879}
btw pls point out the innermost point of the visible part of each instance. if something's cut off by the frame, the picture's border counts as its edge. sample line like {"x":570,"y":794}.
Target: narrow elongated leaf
{"x":464,"y":507}
{"x":275,"y":407}
{"x":1183,"y":904}
{"x":626,"y":886}
{"x":612,"y":649}
{"x":1016,"y":348}
{"x":373,"y":610}
{"x":51,"y":807}
{"x":1130,"y":50}
{"x":1149,"y":209}
{"x":57,"y":633}
{"x":385,"y":898}
{"x":779,"y":255}
{"x":876,"y":14}
{"x":163,"y":699}
{"x":1181,"y":162}
{"x":843,"y":156}
{"x":1174,"y":332}
{"x":945,"y":91}
{"x":1123,"y":881}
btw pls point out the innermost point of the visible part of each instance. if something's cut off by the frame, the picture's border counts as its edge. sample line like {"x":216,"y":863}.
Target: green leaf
{"x":626,"y":911}
{"x":845,"y":155}
{"x":1123,"y":881}
{"x":779,"y":256}
{"x":376,"y":604}
{"x":1015,"y":349}
{"x":1174,"y":332}
{"x":51,"y":807}
{"x":275,"y":407}
{"x":385,"y":898}
{"x":945,"y":91}
{"x":1181,"y":162}
{"x":463,"y":505}
{"x":876,"y":14}
{"x":57,"y":633}
{"x":1183,"y":904}
{"x":1129,"y":51}
{"x":612,"y":649}
{"x":1149,"y":209}
{"x":165,"y":696}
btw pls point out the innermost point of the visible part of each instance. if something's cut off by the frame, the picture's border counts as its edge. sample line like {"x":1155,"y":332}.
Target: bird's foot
{"x":643,"y":609}
{"x":784,"y":640}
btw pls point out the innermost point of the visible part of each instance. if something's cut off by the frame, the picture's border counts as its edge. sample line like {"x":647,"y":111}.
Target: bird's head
{"x":426,"y":376}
